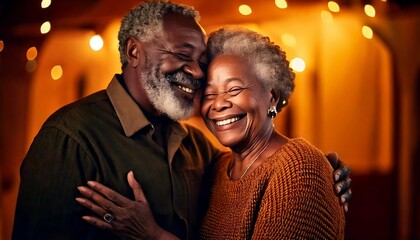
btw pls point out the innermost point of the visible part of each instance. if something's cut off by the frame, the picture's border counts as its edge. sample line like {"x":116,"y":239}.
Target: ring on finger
{"x":109,"y":217}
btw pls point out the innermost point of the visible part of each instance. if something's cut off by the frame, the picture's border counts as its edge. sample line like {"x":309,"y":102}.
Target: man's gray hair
{"x":145,"y":22}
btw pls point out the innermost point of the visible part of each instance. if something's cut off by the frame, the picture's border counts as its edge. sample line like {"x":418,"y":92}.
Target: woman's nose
{"x":221,"y":102}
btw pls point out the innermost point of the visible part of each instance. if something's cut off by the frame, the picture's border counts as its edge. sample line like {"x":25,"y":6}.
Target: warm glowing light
{"x":370,"y":10}
{"x":30,"y":66}
{"x":245,"y":9}
{"x":1,"y":45}
{"x":31,"y":53}
{"x":96,"y":43}
{"x":45,"y":27}
{"x":288,"y":39}
{"x":367,"y":32}
{"x":45,"y":3}
{"x":383,"y":0}
{"x":326,"y":16}
{"x":333,"y":6}
{"x":281,"y":4}
{"x":297,"y":64}
{"x":56,"y":72}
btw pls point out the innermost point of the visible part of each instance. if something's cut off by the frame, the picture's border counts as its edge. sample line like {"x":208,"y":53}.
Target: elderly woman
{"x":273,"y":187}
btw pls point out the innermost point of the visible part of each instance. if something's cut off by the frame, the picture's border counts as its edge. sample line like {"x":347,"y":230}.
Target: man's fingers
{"x":345,"y":198}
{"x":137,"y":190}
{"x":97,"y":199}
{"x":92,"y":206}
{"x":346,"y":207}
{"x":97,"y":222}
{"x":342,"y":186}
{"x":333,"y":159}
{"x":342,"y":172}
{"x":110,"y":194}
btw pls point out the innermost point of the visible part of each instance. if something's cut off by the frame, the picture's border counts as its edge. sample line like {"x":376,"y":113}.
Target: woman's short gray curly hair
{"x":145,"y":22}
{"x":266,"y":58}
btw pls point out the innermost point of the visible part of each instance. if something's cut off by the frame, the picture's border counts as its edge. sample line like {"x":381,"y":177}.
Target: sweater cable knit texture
{"x":289,"y":196}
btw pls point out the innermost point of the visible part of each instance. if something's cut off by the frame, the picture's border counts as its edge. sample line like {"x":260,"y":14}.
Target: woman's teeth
{"x":227,"y":121}
{"x":185,"y":89}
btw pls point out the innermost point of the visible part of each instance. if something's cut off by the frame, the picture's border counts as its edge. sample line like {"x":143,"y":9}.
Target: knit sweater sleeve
{"x":299,"y":202}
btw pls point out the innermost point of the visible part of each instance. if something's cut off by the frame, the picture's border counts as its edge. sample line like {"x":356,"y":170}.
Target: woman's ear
{"x":275,"y":96}
{"x":134,"y":52}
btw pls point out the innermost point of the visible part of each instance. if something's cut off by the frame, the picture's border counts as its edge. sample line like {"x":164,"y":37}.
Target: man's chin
{"x":180,"y":115}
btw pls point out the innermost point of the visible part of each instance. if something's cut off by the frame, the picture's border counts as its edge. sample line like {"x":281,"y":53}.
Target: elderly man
{"x":132,"y":125}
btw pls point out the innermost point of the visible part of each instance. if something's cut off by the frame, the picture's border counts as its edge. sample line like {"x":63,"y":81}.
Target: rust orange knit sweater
{"x":289,"y":196}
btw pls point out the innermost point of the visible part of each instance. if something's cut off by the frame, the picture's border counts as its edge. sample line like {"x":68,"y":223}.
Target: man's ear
{"x":134,"y":52}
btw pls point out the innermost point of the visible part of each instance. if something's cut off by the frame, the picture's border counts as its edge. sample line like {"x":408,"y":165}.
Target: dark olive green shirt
{"x":102,"y":137}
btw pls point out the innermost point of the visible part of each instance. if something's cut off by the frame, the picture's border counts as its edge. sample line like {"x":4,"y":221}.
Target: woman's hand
{"x":128,"y":219}
{"x":342,"y":180}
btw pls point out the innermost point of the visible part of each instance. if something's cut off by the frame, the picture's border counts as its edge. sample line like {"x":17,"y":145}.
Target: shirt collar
{"x":130,"y":114}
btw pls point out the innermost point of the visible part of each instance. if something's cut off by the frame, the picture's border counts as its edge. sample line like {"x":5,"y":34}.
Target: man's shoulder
{"x":82,"y":110}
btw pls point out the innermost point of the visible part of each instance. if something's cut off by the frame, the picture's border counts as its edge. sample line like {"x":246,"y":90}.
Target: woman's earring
{"x":272,"y":112}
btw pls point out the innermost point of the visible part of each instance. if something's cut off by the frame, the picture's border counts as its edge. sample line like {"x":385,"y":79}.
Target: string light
{"x":333,"y":6}
{"x":245,"y":9}
{"x":282,"y":4}
{"x":56,"y":72}
{"x":45,"y":27}
{"x":45,"y":3}
{"x":96,"y":42}
{"x":31,"y":53}
{"x":370,"y":10}
{"x":367,"y":32}
{"x":297,"y":64}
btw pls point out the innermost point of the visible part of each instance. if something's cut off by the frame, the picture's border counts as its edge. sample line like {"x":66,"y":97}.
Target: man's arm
{"x":50,"y":172}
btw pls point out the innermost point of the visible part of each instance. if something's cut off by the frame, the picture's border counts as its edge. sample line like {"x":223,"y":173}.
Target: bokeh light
{"x":333,"y":6}
{"x":281,"y":4}
{"x":245,"y":9}
{"x":297,"y":64}
{"x":326,"y":16}
{"x":1,"y":45}
{"x":45,"y":3}
{"x":45,"y":27}
{"x":370,"y":10}
{"x":367,"y":32}
{"x":56,"y":72}
{"x":31,"y":53}
{"x":96,"y":42}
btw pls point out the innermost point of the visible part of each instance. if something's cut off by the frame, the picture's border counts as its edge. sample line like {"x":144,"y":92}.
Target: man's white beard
{"x":162,"y":96}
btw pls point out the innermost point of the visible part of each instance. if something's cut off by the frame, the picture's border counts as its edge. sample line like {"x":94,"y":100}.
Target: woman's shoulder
{"x":300,"y":156}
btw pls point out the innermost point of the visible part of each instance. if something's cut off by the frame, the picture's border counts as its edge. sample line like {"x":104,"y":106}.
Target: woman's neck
{"x":246,"y":161}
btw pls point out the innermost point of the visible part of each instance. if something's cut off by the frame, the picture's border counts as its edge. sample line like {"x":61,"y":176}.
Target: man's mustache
{"x":183,"y":78}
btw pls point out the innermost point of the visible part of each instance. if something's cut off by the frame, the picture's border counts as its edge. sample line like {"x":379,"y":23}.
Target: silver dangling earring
{"x":272,"y":112}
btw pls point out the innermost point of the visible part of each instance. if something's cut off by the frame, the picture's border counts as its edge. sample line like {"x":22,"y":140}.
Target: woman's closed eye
{"x":209,"y":95}
{"x":234,"y":91}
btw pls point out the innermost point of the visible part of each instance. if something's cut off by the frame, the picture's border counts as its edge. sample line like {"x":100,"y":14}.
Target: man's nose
{"x":193,"y":68}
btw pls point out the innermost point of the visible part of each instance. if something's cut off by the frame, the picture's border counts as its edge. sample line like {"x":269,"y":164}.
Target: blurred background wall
{"x":355,"y":94}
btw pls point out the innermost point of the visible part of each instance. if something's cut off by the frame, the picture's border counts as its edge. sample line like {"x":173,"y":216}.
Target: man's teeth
{"x":227,"y":121}
{"x":185,"y":89}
